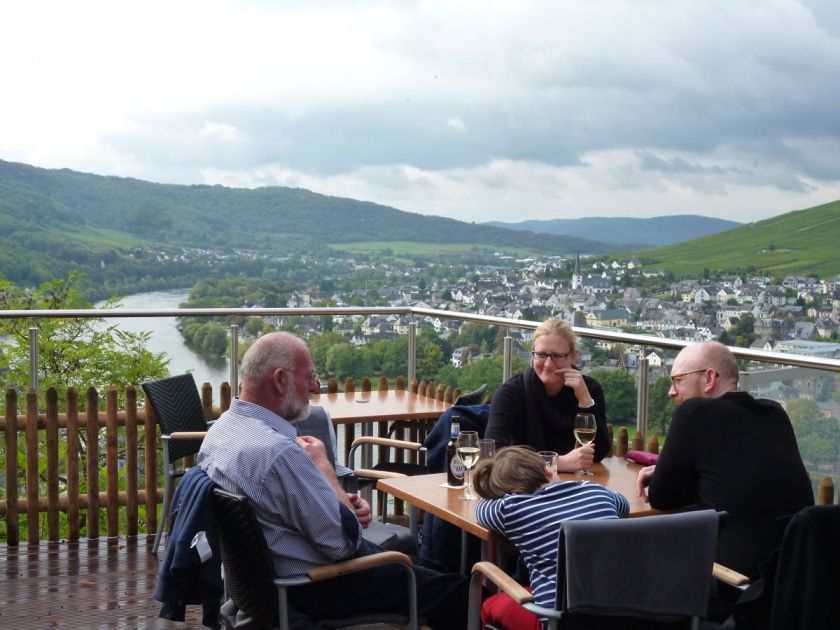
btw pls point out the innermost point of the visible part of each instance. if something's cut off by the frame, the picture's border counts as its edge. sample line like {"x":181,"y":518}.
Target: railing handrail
{"x":749,"y":354}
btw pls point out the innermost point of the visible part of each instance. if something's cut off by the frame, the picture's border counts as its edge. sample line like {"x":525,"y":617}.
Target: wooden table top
{"x":378,"y":406}
{"x":428,"y":493}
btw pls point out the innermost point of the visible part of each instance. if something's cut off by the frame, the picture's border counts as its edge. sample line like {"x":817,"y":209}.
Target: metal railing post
{"x":234,"y":359}
{"x":412,"y":352}
{"x":642,"y":398}
{"x":33,"y":358}
{"x":507,"y":347}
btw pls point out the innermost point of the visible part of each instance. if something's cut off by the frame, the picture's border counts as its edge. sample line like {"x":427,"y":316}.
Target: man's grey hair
{"x":275,"y":350}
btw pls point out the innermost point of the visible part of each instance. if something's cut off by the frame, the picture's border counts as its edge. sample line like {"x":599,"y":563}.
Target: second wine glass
{"x":468,"y":452}
{"x":585,"y":430}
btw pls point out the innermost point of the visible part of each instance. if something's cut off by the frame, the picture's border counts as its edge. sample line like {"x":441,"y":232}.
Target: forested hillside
{"x":112,"y":229}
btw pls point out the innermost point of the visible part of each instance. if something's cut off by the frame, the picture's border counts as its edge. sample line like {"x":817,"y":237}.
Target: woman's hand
{"x":577,"y":459}
{"x":643,"y":480}
{"x":574,"y":379}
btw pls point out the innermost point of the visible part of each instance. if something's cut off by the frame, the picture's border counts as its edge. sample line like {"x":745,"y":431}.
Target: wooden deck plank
{"x":86,"y":584}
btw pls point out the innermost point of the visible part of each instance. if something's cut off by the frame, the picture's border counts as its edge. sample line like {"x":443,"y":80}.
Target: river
{"x":166,"y":338}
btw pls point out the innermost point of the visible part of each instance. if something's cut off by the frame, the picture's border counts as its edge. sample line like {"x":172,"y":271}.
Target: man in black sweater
{"x":728,"y":451}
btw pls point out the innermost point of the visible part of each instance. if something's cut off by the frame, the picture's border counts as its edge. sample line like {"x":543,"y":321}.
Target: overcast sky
{"x":482,"y":110}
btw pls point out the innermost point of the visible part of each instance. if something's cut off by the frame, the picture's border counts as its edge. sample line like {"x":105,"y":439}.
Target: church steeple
{"x":577,"y":277}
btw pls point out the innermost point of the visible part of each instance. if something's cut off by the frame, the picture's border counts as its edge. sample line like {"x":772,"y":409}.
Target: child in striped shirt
{"x":525,"y":502}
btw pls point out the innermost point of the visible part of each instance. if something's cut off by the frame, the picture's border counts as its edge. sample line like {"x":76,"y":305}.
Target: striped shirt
{"x":532,"y":523}
{"x":252,"y":451}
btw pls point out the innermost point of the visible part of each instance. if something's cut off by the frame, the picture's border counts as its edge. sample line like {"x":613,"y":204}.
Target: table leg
{"x":367,"y":460}
{"x":464,"y":552}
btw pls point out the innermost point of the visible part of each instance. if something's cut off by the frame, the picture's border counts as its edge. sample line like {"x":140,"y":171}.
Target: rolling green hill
{"x":112,"y":229}
{"x":264,"y":220}
{"x":799,"y":242}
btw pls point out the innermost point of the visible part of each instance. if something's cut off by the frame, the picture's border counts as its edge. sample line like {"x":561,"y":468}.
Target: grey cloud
{"x":550,"y":89}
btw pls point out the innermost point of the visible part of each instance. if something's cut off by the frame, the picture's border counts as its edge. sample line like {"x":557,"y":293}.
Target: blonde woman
{"x":538,"y":407}
{"x":525,"y":503}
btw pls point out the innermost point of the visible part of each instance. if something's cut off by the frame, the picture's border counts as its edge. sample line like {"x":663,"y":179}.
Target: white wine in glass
{"x":468,"y":451}
{"x":585,"y":431}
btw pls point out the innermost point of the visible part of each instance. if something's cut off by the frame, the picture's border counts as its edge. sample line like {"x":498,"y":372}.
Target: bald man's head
{"x":706,"y":369}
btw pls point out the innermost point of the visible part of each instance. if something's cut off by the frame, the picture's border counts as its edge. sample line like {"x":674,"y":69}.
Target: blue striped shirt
{"x":532,"y":523}
{"x":252,"y":451}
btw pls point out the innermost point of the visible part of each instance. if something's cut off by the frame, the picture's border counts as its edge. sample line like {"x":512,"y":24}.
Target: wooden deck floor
{"x":87,"y":584}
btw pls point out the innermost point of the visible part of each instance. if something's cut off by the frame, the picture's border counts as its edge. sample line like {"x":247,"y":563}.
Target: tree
{"x":818,"y":436}
{"x":619,"y":392}
{"x":77,"y":352}
{"x":343,"y":360}
{"x":319,"y":345}
{"x":660,"y":406}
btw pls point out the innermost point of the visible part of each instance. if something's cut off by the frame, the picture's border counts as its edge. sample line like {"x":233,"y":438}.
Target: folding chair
{"x":655,"y":568}
{"x":258,"y":599}
{"x":177,"y":405}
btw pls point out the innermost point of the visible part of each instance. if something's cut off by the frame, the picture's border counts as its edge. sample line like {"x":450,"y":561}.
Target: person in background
{"x":525,"y":502}
{"x":315,"y":421}
{"x":728,"y":451}
{"x":307,"y":518}
{"x":538,"y":406}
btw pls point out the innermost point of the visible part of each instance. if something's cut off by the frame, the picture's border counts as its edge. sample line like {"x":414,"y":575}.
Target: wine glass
{"x":549,"y":459}
{"x":468,"y":452}
{"x":585,"y":430}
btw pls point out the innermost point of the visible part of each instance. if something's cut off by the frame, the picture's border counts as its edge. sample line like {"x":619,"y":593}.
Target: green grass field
{"x":414,"y":248}
{"x":801,"y":242}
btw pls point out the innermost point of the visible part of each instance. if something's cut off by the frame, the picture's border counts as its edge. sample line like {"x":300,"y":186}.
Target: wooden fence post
{"x":621,"y":449}
{"x":825,"y":491}
{"x":52,"y":465}
{"x":33,"y":536}
{"x":72,"y":463}
{"x":12,"y":525}
{"x":92,"y":434}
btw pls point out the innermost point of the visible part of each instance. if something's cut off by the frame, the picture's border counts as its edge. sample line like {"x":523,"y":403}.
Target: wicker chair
{"x":177,"y":405}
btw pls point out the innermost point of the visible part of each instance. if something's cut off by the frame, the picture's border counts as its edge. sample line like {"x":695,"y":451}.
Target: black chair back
{"x":177,"y":405}
{"x":475,"y":397}
{"x":249,"y":573}
{"x":655,"y":567}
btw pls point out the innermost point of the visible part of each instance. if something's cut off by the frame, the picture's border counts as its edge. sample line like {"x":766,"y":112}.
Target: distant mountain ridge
{"x":252,"y":219}
{"x":622,"y":230}
{"x":114,"y":229}
{"x":54,"y":221}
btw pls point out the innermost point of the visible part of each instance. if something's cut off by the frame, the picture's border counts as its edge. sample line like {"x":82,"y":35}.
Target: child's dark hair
{"x":513,"y":469}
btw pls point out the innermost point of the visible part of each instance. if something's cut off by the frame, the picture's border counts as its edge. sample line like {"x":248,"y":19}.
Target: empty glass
{"x":486,"y":448}
{"x":550,"y":460}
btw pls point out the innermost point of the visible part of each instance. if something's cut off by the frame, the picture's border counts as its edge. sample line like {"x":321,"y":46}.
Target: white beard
{"x":302,"y":414}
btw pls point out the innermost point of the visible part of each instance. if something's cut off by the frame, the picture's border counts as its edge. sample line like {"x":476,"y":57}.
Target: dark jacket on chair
{"x":473,"y":418}
{"x":441,"y":541}
{"x":182,"y":577}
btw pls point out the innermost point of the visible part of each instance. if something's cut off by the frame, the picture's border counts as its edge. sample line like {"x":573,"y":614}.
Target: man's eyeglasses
{"x":678,"y":378}
{"x":542,"y":357}
{"x":312,"y":376}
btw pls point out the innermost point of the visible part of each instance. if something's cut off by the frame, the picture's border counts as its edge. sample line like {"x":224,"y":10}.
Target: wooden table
{"x":366,"y":408}
{"x":427,"y":493}
{"x":363,"y":407}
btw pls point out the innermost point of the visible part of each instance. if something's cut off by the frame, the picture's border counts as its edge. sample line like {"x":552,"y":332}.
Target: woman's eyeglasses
{"x":542,"y":357}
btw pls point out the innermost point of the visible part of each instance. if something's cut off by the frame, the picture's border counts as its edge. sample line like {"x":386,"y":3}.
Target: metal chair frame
{"x":180,"y":416}
{"x":249,"y":572}
{"x":679,"y":523}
